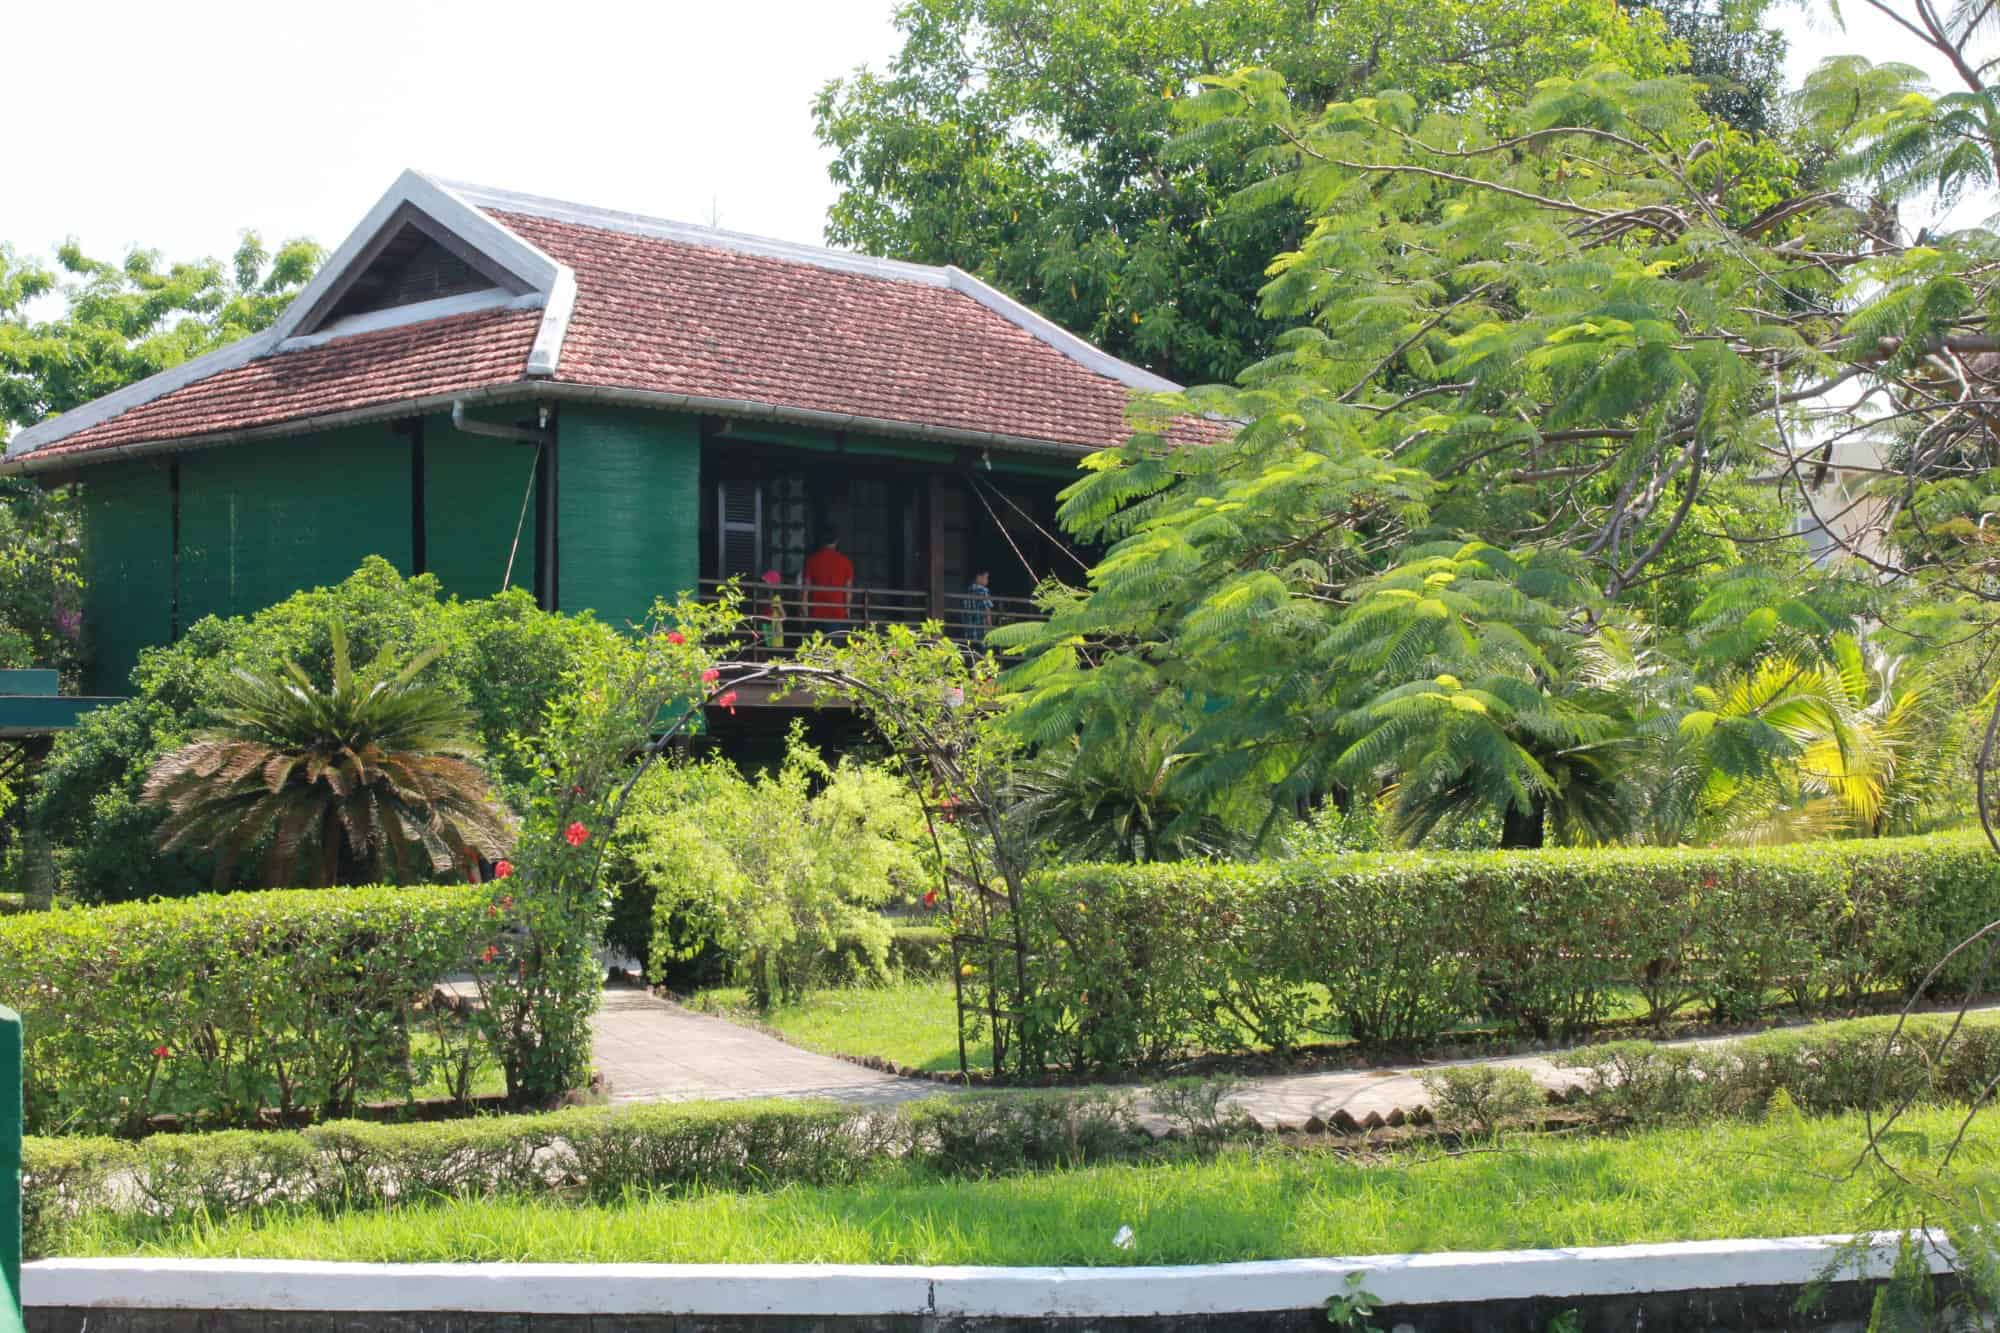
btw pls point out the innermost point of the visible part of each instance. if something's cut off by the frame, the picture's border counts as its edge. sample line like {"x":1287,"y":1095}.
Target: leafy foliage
{"x":501,"y":657}
{"x":122,"y":321}
{"x":1035,"y":144}
{"x":1518,"y":478}
{"x":781,"y":871}
{"x":1850,"y":743}
{"x":371,"y":778}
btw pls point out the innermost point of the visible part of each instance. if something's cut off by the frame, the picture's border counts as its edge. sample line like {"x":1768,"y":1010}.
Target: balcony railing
{"x":779,"y":616}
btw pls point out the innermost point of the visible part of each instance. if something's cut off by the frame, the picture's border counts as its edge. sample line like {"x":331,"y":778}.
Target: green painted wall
{"x":473,"y":486}
{"x":262,"y":521}
{"x":825,"y":441}
{"x":128,"y":560}
{"x":628,"y":491}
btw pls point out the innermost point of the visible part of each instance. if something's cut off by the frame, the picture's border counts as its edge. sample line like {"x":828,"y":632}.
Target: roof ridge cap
{"x":494,"y":199}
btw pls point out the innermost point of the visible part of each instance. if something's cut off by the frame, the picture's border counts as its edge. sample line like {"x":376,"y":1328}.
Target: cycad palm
{"x":371,"y":778}
{"x":1114,"y":802}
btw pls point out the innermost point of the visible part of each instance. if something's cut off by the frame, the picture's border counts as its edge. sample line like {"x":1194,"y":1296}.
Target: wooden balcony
{"x":778,"y":617}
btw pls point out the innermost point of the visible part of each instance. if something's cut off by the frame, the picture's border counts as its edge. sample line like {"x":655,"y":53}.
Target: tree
{"x":370,"y":778}
{"x":1104,"y":790}
{"x":120,"y":322}
{"x":780,"y":870}
{"x":1740,"y":62}
{"x":1035,"y":143}
{"x":1588,"y":332}
{"x":1851,"y":744}
{"x":75,"y":333}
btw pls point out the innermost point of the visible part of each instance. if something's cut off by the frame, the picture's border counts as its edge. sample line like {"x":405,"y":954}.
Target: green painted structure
{"x":10,"y":1168}
{"x":620,"y":506}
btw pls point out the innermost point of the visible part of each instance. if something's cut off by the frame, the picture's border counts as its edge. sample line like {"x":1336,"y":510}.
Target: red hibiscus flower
{"x":492,"y":951}
{"x":676,"y":638}
{"x":162,"y":1053}
{"x":710,"y":676}
{"x":575,"y":835}
{"x":502,"y":869}
{"x":727,"y":699}
{"x":930,"y":898}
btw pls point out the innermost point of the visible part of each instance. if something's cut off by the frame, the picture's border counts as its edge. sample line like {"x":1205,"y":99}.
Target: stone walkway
{"x":652,"y":1050}
{"x":1290,"y":1100}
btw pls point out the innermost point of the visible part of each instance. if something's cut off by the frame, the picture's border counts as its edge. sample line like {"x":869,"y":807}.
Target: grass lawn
{"x":912,"y":1022}
{"x":1782,"y":1178}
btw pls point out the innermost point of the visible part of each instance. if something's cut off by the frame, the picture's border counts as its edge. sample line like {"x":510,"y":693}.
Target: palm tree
{"x":371,"y":779}
{"x":1856,"y":744}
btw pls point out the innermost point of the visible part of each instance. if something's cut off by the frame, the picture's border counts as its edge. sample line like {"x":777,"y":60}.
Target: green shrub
{"x":1821,"y":1070}
{"x":1138,"y":964}
{"x":1476,"y":1100}
{"x":785,"y":872}
{"x":501,"y":656}
{"x":601,"y":1153}
{"x":1199,"y":1107}
{"x":914,"y":951}
{"x":920,"y":951}
{"x":224,"y":1008}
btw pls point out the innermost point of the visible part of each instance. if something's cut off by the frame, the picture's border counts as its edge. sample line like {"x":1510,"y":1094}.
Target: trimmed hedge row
{"x":1822,"y":1070}
{"x":234,"y":1007}
{"x":601,"y":1153}
{"x":1143,"y":964}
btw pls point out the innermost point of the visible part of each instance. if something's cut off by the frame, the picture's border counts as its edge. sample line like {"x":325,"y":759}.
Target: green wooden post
{"x":10,"y":1167}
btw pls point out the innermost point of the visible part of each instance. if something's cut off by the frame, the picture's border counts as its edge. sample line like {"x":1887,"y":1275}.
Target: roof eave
{"x":29,"y":464}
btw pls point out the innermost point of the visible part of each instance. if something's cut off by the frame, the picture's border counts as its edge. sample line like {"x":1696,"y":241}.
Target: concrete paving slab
{"x":653,"y":1050}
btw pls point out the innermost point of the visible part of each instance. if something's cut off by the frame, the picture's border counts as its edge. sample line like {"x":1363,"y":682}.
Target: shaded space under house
{"x":600,"y":408}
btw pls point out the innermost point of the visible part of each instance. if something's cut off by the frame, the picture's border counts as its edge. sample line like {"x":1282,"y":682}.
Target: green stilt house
{"x":601,"y":408}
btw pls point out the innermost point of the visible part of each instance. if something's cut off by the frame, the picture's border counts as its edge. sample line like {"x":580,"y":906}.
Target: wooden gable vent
{"x":412,"y":267}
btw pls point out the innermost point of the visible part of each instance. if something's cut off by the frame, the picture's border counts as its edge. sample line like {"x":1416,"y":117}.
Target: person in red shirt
{"x":828,"y":576}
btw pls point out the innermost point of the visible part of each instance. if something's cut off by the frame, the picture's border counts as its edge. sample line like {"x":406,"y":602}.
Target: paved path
{"x":1292,"y":1099}
{"x":652,"y":1050}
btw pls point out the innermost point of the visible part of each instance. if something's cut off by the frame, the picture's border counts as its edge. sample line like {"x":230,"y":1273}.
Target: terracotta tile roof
{"x":442,"y":356}
{"x":664,"y":315}
{"x":674,"y":311}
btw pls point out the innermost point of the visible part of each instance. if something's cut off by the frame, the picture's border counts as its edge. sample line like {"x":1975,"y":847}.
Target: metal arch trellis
{"x":997,"y":936}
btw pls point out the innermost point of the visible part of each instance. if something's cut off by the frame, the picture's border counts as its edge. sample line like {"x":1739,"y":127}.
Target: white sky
{"x":176,"y":125}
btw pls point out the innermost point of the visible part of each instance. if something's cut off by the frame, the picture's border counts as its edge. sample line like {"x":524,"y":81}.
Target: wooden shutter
{"x":739,"y":528}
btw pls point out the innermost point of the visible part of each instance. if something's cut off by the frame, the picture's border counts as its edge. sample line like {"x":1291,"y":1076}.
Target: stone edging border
{"x":858,"y":1290}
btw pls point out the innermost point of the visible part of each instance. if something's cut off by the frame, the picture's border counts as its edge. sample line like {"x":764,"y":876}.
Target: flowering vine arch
{"x":938,"y":755}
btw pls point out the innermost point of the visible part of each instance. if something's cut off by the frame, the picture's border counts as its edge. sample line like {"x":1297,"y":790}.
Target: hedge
{"x":598,"y":1153}
{"x":1821,"y":1070}
{"x":235,"y":1008}
{"x":1144,"y":964}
